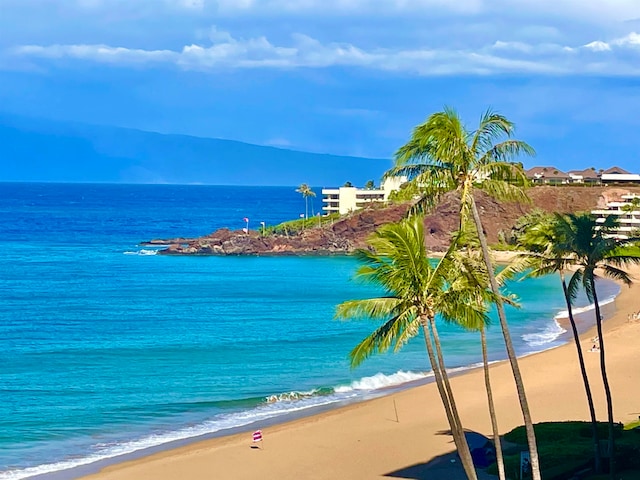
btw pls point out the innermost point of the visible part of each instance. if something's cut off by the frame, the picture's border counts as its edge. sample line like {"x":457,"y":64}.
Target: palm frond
{"x":372,"y":308}
{"x":616,"y":274}
{"x":506,"y":151}
{"x":504,"y":191}
{"x":574,"y":285}
{"x":396,"y":330}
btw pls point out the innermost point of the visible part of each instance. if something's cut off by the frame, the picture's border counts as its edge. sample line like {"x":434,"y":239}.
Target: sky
{"x":348,"y":77}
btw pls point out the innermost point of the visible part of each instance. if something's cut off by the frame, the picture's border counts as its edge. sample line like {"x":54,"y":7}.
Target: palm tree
{"x":470,"y":269}
{"x":414,"y":292}
{"x":306,"y":192}
{"x":632,"y":206}
{"x":443,"y":156}
{"x":542,"y":240}
{"x":594,"y":246}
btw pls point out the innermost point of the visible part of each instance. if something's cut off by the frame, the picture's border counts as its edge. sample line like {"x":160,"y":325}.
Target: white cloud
{"x":303,"y":51}
{"x":598,"y":46}
{"x":631,"y":40}
{"x":98,"y":53}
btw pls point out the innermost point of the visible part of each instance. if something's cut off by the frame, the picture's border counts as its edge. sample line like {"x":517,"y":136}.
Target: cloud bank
{"x":614,"y":57}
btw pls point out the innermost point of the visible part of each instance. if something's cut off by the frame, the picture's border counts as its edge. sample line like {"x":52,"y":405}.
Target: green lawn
{"x":566,"y":447}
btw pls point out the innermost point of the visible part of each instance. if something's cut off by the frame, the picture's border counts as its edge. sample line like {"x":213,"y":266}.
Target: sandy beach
{"x":366,"y":441}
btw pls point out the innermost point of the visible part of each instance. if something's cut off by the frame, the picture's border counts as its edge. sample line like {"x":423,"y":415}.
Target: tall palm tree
{"x":543,"y":242}
{"x":470,"y":270}
{"x":306,"y":192}
{"x":414,"y":292}
{"x":596,"y":249}
{"x":442,"y":156}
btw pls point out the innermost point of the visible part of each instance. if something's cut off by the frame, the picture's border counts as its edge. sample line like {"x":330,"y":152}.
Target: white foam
{"x":380,"y":380}
{"x":291,"y":396}
{"x":548,"y":335}
{"x":587,"y":308}
{"x":143,"y":251}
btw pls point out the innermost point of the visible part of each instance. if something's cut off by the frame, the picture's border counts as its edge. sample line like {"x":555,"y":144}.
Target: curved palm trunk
{"x":454,"y":423}
{"x":607,"y":389}
{"x":585,"y":378}
{"x":513,"y":360}
{"x":492,"y":408}
{"x":464,"y":446}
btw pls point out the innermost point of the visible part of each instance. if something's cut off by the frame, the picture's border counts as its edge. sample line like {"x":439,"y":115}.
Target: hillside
{"x":36,"y":150}
{"x":351,"y":232}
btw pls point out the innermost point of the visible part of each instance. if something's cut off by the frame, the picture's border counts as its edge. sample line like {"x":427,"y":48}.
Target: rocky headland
{"x":349,"y":233}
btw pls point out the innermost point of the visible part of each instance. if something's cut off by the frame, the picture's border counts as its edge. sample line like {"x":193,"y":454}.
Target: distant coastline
{"x":350,"y":232}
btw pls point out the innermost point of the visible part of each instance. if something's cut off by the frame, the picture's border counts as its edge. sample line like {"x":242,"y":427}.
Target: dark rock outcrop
{"x":351,"y":232}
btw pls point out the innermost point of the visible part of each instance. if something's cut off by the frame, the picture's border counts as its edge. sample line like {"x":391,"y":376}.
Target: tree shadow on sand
{"x":448,"y":465}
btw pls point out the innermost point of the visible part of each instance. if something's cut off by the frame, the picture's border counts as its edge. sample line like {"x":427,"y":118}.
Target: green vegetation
{"x":293,"y":227}
{"x":408,"y":191}
{"x":633,"y":425}
{"x":565,"y":448}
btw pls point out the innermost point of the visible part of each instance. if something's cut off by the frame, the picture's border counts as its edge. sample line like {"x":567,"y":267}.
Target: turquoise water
{"x":107,"y":348}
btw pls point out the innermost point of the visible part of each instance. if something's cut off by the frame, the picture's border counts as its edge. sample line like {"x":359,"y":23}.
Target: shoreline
{"x":232,"y":453}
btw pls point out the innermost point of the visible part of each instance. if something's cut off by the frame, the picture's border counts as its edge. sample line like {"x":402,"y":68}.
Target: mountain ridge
{"x":44,"y":150}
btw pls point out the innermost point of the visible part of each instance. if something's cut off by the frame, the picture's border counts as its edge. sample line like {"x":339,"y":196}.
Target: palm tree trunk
{"x":456,"y":428}
{"x":513,"y":360}
{"x":492,"y":408}
{"x":607,"y":389}
{"x":585,"y":378}
{"x":463,"y":449}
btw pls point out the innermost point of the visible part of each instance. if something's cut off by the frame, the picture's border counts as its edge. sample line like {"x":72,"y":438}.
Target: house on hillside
{"x":619,"y":175}
{"x":547,"y":176}
{"x":588,"y":176}
{"x":347,"y":199}
{"x":616,"y":171}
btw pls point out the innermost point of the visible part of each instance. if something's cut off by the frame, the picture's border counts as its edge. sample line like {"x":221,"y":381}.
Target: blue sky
{"x":349,"y":77}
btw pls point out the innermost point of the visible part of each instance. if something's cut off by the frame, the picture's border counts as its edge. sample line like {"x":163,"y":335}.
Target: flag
{"x":257,"y":436}
{"x":246,"y":219}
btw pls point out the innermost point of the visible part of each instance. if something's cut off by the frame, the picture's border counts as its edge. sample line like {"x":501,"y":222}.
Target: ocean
{"x":108,"y":349}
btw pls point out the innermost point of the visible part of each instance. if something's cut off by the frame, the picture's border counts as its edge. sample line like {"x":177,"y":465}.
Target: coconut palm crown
{"x":442,"y":155}
{"x":412,"y":287}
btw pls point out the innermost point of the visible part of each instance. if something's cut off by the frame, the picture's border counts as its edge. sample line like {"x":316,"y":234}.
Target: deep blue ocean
{"x":107,"y":348}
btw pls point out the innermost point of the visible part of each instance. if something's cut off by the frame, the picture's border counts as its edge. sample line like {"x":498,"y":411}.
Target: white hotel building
{"x":348,"y":199}
{"x":629,"y":220}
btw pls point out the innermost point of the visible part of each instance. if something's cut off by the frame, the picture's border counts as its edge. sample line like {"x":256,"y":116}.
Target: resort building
{"x":347,"y":199}
{"x":627,"y":210}
{"x":619,"y":175}
{"x":548,"y":176}
{"x":588,"y":176}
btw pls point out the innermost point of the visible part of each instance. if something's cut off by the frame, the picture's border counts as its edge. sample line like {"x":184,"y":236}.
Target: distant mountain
{"x":36,"y":150}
